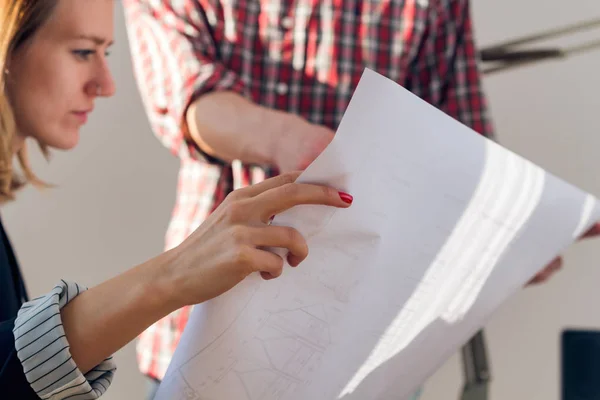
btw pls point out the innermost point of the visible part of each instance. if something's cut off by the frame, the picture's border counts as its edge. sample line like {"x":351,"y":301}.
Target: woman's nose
{"x":102,"y":84}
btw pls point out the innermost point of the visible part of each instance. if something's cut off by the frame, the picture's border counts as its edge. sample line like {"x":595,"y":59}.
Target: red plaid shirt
{"x":304,"y":57}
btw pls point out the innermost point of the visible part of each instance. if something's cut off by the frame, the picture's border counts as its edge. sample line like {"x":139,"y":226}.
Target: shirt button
{"x":287,"y":23}
{"x":282,"y":88}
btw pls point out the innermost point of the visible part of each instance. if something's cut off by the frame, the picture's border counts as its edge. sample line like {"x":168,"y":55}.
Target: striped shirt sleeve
{"x":43,"y":350}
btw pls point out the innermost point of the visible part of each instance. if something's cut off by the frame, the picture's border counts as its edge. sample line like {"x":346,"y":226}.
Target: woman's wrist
{"x":108,"y":316}
{"x":162,"y":282}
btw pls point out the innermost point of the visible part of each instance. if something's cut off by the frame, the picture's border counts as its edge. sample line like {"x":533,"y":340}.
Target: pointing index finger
{"x":284,"y":197}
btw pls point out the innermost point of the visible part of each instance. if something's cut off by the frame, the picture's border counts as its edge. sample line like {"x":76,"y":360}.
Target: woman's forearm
{"x":105,"y":318}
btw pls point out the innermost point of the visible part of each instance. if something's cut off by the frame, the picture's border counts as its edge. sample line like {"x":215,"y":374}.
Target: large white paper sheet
{"x":445,"y":226}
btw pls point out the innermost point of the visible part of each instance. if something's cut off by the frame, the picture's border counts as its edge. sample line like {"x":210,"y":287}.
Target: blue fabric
{"x":12,"y":288}
{"x":13,"y":383}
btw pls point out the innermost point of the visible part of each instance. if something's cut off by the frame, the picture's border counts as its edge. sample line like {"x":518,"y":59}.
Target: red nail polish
{"x":346,"y":197}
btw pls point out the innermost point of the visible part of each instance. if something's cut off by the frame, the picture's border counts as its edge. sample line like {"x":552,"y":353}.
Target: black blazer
{"x":13,"y":384}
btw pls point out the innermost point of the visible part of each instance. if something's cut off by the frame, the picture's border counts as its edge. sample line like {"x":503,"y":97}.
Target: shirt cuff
{"x":43,"y":350}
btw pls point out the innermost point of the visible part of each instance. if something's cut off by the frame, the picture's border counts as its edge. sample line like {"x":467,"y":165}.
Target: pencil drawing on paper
{"x":286,"y":348}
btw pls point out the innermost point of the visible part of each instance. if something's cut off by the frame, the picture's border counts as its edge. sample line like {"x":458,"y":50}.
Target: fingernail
{"x":346,"y":197}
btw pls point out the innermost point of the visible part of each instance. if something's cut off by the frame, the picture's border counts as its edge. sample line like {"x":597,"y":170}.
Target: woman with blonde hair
{"x":58,"y":346}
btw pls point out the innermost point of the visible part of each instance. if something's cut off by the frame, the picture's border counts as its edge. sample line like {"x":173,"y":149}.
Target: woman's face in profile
{"x":55,"y":77}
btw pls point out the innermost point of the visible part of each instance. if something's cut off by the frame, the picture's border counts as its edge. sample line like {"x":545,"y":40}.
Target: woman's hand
{"x":230,"y":244}
{"x":225,"y":249}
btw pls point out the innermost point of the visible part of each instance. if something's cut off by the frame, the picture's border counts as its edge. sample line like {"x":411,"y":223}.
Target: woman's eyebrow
{"x":96,"y":39}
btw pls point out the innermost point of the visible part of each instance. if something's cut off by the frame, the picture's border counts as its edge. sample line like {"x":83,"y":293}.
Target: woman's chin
{"x":66,"y":142}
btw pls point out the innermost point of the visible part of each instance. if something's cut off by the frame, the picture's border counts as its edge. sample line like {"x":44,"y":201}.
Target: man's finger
{"x":284,"y":197}
{"x":593,"y":231}
{"x":268,"y":184}
{"x":547,"y":272}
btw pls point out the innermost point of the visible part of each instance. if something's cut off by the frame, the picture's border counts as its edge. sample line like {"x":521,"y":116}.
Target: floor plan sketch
{"x":287,"y":347}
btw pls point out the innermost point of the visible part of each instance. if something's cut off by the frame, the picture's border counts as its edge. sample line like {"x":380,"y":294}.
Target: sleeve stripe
{"x":70,"y":387}
{"x":45,"y":347}
{"x":38,"y":325}
{"x":57,"y":380}
{"x":36,"y":339}
{"x":35,"y":315}
{"x":48,"y":359}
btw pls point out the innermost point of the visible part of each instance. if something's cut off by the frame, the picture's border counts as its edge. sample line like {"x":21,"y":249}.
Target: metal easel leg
{"x":476,"y":369}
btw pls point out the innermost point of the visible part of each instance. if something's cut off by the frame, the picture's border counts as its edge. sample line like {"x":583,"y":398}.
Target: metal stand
{"x":513,"y":53}
{"x":476,"y":369}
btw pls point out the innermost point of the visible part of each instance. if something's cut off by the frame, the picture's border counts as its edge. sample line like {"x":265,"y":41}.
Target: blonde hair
{"x":19,"y":19}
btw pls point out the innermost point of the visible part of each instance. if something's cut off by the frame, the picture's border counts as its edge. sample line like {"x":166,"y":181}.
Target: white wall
{"x":116,"y":191}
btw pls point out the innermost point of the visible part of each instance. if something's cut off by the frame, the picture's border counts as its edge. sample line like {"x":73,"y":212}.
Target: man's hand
{"x":300,"y":144}
{"x":556,"y":264}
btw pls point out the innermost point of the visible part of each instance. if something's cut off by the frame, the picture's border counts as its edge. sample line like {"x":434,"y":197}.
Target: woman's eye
{"x":83,"y":54}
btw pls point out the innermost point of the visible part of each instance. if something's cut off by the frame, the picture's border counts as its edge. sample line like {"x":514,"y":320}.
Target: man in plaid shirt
{"x":241,"y":90}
